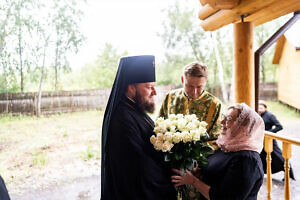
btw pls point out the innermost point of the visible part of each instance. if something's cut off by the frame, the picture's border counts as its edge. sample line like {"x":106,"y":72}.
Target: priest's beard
{"x":144,"y":104}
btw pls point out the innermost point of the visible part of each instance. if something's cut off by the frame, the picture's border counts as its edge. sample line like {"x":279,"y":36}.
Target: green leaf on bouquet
{"x":207,"y":150}
{"x":202,"y":162}
{"x":167,"y":158}
{"x":178,"y":156}
{"x":205,"y":137}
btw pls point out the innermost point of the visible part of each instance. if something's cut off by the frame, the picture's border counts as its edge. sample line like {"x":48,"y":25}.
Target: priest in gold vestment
{"x":193,"y":99}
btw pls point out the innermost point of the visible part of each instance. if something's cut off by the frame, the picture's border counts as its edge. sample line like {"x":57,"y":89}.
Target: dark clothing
{"x":3,"y":191}
{"x":277,"y":163}
{"x":133,"y":69}
{"x":134,"y":169}
{"x":270,"y":121}
{"x":234,"y":175}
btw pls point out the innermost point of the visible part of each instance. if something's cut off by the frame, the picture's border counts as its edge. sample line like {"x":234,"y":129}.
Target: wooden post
{"x":286,"y":153}
{"x":268,"y":149}
{"x":244,"y":63}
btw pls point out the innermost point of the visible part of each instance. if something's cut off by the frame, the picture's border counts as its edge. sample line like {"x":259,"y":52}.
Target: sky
{"x":130,"y":25}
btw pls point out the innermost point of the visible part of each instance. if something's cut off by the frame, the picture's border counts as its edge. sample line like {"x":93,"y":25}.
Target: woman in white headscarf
{"x":235,"y":170}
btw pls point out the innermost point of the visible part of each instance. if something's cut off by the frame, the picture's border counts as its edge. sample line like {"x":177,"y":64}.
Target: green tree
{"x":99,"y":74}
{"x":185,"y":41}
{"x":66,"y":18}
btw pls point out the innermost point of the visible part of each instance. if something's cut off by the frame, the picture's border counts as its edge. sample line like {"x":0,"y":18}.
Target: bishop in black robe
{"x":3,"y":191}
{"x":131,"y":168}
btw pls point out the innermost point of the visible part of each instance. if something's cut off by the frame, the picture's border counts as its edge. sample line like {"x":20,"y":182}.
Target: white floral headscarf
{"x":246,"y":133}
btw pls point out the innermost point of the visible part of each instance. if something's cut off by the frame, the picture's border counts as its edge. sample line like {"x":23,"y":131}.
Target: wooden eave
{"x":278,"y":49}
{"x":216,"y":14}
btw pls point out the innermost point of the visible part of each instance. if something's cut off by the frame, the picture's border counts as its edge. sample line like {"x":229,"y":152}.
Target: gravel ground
{"x":79,"y":189}
{"x":89,"y":188}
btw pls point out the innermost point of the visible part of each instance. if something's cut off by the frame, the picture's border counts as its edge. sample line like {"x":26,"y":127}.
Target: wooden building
{"x":245,"y":15}
{"x":287,"y":56}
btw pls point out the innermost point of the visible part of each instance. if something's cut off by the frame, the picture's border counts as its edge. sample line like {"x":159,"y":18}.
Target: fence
{"x":71,"y":101}
{"x":62,"y":101}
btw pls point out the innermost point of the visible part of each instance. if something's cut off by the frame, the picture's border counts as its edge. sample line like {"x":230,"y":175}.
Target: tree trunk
{"x":38,"y":113}
{"x":220,"y":68}
{"x":55,"y":68}
{"x":20,"y":53}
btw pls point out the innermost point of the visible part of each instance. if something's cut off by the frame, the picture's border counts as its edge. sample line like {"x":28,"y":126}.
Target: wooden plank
{"x":278,"y":50}
{"x":224,"y":17}
{"x":273,"y":11}
{"x":223,"y":4}
{"x":203,"y":2}
{"x":206,"y":11}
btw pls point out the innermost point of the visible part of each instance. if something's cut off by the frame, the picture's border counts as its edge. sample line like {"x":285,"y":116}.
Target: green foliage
{"x":31,"y":42}
{"x":99,"y":74}
{"x":186,"y":42}
{"x":38,"y":159}
{"x":90,"y":153}
{"x":284,"y":113}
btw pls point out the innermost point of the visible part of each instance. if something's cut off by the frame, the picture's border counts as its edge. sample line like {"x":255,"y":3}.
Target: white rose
{"x":196,"y":122}
{"x":167,"y":146}
{"x":180,"y":116}
{"x":153,"y":139}
{"x":173,"y":129}
{"x":157,"y":129}
{"x":160,"y":136}
{"x":191,"y":126}
{"x":158,"y":145}
{"x":187,"y":137}
{"x":159,"y":120}
{"x":168,"y":137}
{"x":176,"y":137}
{"x":181,"y":123}
{"x":172,"y":117}
{"x":203,"y":124}
{"x":195,"y":134}
{"x":202,"y":131}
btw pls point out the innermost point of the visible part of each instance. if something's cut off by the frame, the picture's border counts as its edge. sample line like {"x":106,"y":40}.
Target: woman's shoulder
{"x":246,"y":154}
{"x":248,"y":157}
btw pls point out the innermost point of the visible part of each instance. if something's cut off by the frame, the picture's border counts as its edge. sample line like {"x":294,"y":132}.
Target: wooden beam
{"x":223,"y":4}
{"x":203,"y":2}
{"x":278,"y":50}
{"x":224,"y":17}
{"x":273,"y":11}
{"x":244,"y":63}
{"x":206,"y":11}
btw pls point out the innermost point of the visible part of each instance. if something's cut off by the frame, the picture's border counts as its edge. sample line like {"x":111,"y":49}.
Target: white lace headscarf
{"x":246,"y":133}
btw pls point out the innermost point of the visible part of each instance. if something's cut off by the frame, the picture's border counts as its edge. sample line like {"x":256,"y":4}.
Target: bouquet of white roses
{"x":183,"y":140}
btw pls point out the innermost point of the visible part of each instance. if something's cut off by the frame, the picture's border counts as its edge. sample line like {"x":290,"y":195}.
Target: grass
{"x":38,"y":152}
{"x":284,"y":113}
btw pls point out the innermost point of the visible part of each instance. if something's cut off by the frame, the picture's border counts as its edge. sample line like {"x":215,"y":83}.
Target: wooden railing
{"x":286,"y":153}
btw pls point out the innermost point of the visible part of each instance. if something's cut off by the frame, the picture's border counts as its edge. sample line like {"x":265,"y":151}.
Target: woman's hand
{"x":197,"y":172}
{"x":187,"y":178}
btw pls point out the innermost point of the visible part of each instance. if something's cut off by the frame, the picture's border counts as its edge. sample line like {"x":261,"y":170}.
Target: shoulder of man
{"x":176,"y":92}
{"x":124,"y":112}
{"x":214,"y":99}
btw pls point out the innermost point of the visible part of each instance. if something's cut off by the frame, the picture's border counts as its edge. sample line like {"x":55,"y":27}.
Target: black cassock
{"x":277,"y":163}
{"x":233,"y":175}
{"x":134,"y":170}
{"x":3,"y":191}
